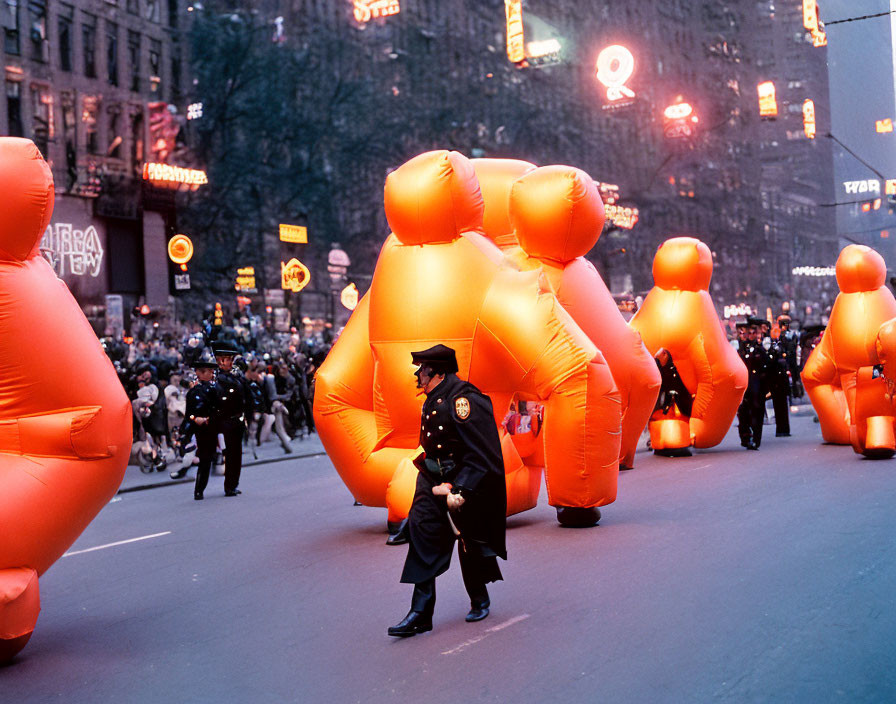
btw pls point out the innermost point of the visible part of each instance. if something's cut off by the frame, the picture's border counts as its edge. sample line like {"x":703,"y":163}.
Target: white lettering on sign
{"x":870,"y":185}
{"x":71,"y":251}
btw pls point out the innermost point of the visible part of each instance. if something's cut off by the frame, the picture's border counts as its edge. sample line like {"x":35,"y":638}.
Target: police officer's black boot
{"x":398,"y":534}
{"x":576,"y":517}
{"x":479,"y":604}
{"x":419,"y":618}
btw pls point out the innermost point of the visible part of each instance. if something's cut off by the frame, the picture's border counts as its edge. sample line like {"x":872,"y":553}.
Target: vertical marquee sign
{"x":768,"y":103}
{"x":812,"y":23}
{"x":516,"y":48}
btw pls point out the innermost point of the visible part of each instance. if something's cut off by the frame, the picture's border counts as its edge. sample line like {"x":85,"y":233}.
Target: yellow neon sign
{"x":884,"y":126}
{"x":167,"y":175}
{"x":294,"y":276}
{"x":615,"y":65}
{"x":180,"y":249}
{"x":768,"y":104}
{"x":366,"y":10}
{"x":294,"y":234}
{"x":809,"y":118}
{"x":811,"y":22}
{"x":516,"y":48}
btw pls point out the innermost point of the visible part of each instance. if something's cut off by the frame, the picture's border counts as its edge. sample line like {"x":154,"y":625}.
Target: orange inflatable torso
{"x":65,"y":421}
{"x":678,"y":315}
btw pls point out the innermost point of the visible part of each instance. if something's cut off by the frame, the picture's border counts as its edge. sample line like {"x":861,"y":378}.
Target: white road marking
{"x":120,"y":542}
{"x":488,"y":632}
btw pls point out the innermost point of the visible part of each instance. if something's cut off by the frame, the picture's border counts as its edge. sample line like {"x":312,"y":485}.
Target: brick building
{"x":91,"y":82}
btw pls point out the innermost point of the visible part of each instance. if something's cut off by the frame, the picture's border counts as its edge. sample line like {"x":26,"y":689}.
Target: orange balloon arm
{"x":720,"y":389}
{"x":65,"y":434}
{"x":344,"y":416}
{"x":822,"y":384}
{"x":526,"y":339}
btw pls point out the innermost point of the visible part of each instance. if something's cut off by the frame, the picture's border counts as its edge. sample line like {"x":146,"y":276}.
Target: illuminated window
{"x":90,"y":106}
{"x":137,"y":140}
{"x":70,"y":137}
{"x":113,"y":133}
{"x":155,"y":64}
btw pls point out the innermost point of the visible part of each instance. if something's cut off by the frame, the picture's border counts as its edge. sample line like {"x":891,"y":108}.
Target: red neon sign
{"x":366,"y":10}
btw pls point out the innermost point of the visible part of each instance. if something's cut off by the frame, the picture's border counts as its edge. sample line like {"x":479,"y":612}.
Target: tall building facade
{"x":93,"y":83}
{"x":655,"y":100}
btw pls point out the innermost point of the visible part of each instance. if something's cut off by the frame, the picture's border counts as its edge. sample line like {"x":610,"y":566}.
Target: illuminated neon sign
{"x":615,"y":65}
{"x":366,"y":10}
{"x":812,"y":23}
{"x":814,"y":271}
{"x":180,"y":249}
{"x":679,"y":120}
{"x":294,"y":276}
{"x":245,"y":279}
{"x":294,"y":234}
{"x":890,"y":187}
{"x":768,"y":104}
{"x":622,"y":217}
{"x":168,"y":176}
{"x":349,"y":297}
{"x":809,"y":118}
{"x":884,"y":126}
{"x":516,"y":48}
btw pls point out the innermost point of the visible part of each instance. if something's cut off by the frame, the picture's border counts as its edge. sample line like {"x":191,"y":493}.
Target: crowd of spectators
{"x":154,"y":367}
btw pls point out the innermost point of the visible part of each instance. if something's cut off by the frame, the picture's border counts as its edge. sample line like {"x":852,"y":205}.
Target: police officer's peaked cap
{"x":206,"y":360}
{"x":742,"y":324}
{"x":783,"y":319}
{"x":440,"y":358}
{"x":225,"y":349}
{"x":757,"y":321}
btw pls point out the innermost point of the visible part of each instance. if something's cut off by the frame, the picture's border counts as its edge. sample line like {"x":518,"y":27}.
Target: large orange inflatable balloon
{"x":557,"y":216}
{"x":852,"y":405}
{"x":678,"y":315}
{"x":439,"y":280}
{"x":63,"y":446}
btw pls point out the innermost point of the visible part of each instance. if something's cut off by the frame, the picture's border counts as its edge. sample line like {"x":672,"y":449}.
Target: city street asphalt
{"x":728,"y":576}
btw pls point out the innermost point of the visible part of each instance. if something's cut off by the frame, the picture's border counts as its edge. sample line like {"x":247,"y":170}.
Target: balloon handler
{"x":460,"y":494}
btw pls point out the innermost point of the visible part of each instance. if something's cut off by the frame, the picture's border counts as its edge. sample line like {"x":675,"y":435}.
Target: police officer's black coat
{"x":233,"y":396}
{"x":673,"y":390}
{"x":202,"y":402}
{"x":458,"y":426}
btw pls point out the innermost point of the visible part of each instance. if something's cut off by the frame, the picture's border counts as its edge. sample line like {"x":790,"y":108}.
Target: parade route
{"x":728,"y":576}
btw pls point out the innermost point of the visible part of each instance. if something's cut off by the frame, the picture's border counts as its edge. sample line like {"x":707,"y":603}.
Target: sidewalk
{"x":135,"y":480}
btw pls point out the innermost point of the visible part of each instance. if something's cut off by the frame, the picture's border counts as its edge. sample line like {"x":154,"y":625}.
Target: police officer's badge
{"x":462,"y":407}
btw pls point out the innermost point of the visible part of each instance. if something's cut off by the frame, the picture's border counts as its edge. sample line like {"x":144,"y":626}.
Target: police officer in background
{"x":779,"y":383}
{"x":751,"y":412}
{"x":233,"y":404}
{"x":460,"y":493}
{"x":200,"y":419}
{"x":790,"y":342}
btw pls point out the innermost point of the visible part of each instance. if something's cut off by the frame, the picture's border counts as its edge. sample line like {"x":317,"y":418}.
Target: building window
{"x":70,"y":137}
{"x":112,"y":52}
{"x":155,"y":65}
{"x":153,"y":11}
{"x":42,"y":130}
{"x":175,"y":77}
{"x":137,"y":141}
{"x":172,"y":14}
{"x":88,"y":35}
{"x":133,"y":7}
{"x":134,"y":59}
{"x":14,"y":108}
{"x":114,"y":132}
{"x":9,"y":11}
{"x":90,"y":118}
{"x":64,"y":20}
{"x":37,"y":17}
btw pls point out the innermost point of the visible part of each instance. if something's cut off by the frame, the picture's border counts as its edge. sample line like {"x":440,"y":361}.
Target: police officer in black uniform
{"x":200,"y":419}
{"x":673,"y":392}
{"x":233,"y":404}
{"x":460,"y":495}
{"x":751,"y":412}
{"x":790,"y":342}
{"x":779,"y":383}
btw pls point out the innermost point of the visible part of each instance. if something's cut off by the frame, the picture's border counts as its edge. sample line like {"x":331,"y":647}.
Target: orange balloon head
{"x":26,"y":183}
{"x":557,"y":213}
{"x":683,"y":264}
{"x":496,"y":178}
{"x":433,"y":198}
{"x":860,"y":268}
